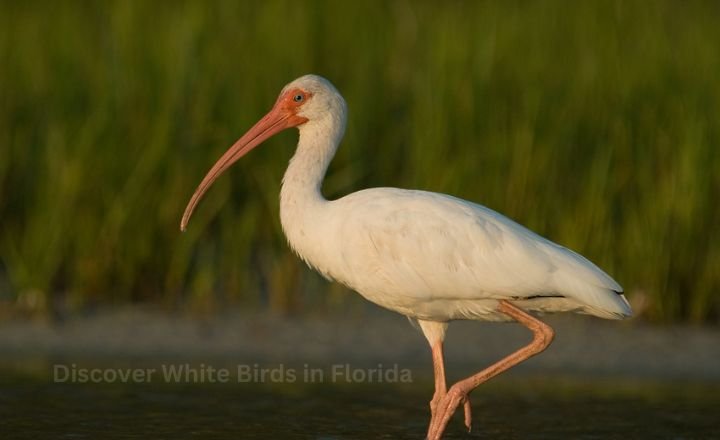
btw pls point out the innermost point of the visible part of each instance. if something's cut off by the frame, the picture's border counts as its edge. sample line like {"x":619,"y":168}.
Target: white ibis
{"x":428,"y":256}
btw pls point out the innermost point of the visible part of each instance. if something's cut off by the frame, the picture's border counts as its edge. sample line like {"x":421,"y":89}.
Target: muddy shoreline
{"x":584,"y":346}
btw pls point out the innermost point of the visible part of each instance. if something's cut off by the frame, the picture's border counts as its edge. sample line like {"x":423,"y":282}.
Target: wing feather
{"x":427,"y":246}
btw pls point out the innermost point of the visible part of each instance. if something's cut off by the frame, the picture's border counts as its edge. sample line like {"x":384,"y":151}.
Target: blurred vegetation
{"x":594,"y":123}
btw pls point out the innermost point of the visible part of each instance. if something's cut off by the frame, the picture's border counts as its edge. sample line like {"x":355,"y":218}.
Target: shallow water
{"x":31,"y":407}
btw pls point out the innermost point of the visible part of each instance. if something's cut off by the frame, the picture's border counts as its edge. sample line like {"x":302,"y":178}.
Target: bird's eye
{"x":298,"y":98}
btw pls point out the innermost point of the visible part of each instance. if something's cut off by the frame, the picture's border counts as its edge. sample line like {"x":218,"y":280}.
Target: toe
{"x":468,"y":414}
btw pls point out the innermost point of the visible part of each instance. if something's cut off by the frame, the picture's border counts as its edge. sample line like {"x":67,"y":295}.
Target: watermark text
{"x":240,"y":373}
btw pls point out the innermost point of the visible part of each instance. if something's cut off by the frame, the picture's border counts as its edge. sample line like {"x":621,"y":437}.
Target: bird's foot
{"x":445,"y":407}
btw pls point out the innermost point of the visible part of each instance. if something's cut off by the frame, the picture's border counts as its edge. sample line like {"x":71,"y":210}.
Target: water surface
{"x":32,"y":406}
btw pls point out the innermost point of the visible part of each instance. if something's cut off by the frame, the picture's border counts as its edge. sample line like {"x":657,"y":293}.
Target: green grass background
{"x":596,"y":123}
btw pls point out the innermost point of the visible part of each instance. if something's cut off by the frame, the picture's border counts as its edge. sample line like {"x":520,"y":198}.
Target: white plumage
{"x":426,"y":255}
{"x":431,"y":257}
{"x":435,"y":257}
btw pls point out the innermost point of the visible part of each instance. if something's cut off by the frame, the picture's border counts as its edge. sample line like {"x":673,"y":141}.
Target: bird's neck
{"x":301,"y":193}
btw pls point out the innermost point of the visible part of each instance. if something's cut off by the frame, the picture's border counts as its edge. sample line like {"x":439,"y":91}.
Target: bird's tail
{"x":604,"y":301}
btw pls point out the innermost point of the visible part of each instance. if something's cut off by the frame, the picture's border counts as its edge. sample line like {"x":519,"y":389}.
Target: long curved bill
{"x":275,"y":121}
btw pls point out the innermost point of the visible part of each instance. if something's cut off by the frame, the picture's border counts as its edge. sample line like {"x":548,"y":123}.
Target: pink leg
{"x":458,"y":393}
{"x":441,"y":386}
{"x":439,"y":369}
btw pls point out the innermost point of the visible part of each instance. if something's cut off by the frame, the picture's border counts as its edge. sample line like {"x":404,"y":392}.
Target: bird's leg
{"x":440,"y":384}
{"x":458,"y":393}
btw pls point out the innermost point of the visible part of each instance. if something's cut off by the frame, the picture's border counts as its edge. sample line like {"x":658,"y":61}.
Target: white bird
{"x":431,"y":257}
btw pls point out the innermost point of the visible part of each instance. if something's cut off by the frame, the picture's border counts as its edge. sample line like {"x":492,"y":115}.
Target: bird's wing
{"x":432,"y":246}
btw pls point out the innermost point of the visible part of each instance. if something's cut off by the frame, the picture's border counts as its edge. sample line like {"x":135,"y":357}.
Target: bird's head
{"x":314,"y":98}
{"x":307,"y":100}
